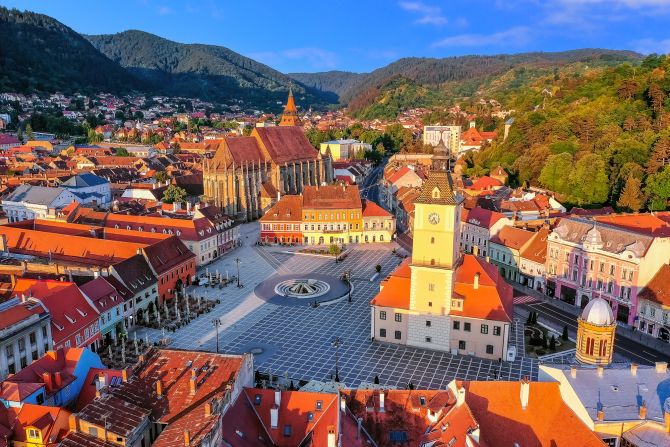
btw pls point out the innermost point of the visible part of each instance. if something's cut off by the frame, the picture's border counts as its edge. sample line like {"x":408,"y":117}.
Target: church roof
{"x":438,"y":189}
{"x":285,"y":144}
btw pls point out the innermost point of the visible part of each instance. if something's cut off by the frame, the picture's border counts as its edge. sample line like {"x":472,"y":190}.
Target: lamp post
{"x":216,"y":322}
{"x":237,"y":261}
{"x":337,"y":342}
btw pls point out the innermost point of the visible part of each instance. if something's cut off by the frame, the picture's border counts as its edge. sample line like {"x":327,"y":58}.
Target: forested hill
{"x":204,"y":71}
{"x":600,"y":136}
{"x":38,"y":53}
{"x":426,"y":82}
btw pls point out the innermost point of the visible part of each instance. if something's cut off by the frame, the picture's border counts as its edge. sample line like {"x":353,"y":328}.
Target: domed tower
{"x":440,"y":159}
{"x":290,"y":115}
{"x":595,"y":333}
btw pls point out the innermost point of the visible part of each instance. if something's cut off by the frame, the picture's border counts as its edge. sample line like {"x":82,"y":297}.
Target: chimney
{"x":525,"y":393}
{"x":573,"y":372}
{"x":124,"y":374}
{"x":277,"y":397}
{"x":97,"y":393}
{"x":666,"y":414}
{"x":359,"y":428}
{"x":662,"y":367}
{"x":58,"y":379}
{"x":73,"y":422}
{"x":331,"y":436}
{"x":475,"y":284}
{"x":274,"y":417}
{"x":159,"y":387}
{"x":46,"y":378}
{"x":381,"y":401}
{"x":96,"y":274}
{"x":600,"y":370}
{"x":102,"y":381}
{"x":460,"y":393}
{"x":208,"y":409}
{"x":193,"y":383}
{"x":187,"y":438}
{"x":643,"y":411}
{"x":633,"y":369}
{"x":343,"y":404}
{"x":601,"y":415}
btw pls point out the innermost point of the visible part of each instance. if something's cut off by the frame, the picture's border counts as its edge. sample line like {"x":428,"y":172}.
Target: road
{"x":636,"y":352}
{"x":370,"y":185}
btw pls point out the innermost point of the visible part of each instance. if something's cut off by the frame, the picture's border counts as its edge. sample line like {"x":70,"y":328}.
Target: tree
{"x":631,"y":198}
{"x":334,"y":250}
{"x":552,"y":343}
{"x":29,"y":132}
{"x":588,"y":180}
{"x":121,"y":152}
{"x":656,"y":98}
{"x":658,"y":189}
{"x":554,"y":174}
{"x":564,"y":336}
{"x":174,"y":194}
{"x":161,"y":176}
{"x":660,"y":155}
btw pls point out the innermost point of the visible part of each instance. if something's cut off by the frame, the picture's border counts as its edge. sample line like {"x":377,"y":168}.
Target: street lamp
{"x":237,"y":261}
{"x":337,"y":343}
{"x":216,"y":322}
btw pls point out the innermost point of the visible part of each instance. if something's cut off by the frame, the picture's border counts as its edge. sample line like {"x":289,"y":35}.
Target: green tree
{"x":334,"y":250}
{"x":631,"y":198}
{"x":174,"y":194}
{"x":658,"y":189}
{"x":121,"y":152}
{"x":588,"y":180}
{"x":161,"y":176}
{"x":564,"y":337}
{"x":555,"y":173}
{"x":29,"y":132}
{"x":552,"y":343}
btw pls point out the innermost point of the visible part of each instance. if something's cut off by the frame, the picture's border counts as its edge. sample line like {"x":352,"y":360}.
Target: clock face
{"x":434,"y":218}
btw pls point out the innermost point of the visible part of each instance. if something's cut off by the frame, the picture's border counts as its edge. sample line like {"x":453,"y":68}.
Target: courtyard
{"x":296,"y":341}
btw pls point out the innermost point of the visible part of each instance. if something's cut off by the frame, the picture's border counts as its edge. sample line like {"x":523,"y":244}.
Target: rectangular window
{"x":428,"y":340}
{"x":398,"y":335}
{"x":484,"y":329}
{"x":431,"y":287}
{"x":612,"y":269}
{"x":398,"y":317}
{"x":382,"y":315}
{"x":457,"y":325}
{"x":466,"y":327}
{"x":489,"y":349}
{"x":461,"y":344}
{"x":496,"y":330}
{"x":382,"y":333}
{"x":428,"y":323}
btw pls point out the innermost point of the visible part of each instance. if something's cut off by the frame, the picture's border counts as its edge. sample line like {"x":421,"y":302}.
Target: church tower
{"x":290,"y":115}
{"x":441,"y":159}
{"x":595,"y":333}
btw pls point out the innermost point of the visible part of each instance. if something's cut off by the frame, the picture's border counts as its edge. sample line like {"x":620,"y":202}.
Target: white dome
{"x":598,"y":311}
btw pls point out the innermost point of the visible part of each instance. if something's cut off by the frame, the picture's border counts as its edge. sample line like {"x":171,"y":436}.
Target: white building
{"x":90,"y":188}
{"x":451,"y":135}
{"x":36,"y":202}
{"x":478,"y":226}
{"x":344,"y":149}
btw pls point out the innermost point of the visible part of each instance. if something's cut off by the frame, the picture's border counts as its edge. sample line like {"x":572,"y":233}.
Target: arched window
{"x":603,"y":348}
{"x":436,"y":193}
{"x":432,"y":262}
{"x":432,"y":240}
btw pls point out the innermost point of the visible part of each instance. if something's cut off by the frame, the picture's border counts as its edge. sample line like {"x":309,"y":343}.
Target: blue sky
{"x":362,"y":35}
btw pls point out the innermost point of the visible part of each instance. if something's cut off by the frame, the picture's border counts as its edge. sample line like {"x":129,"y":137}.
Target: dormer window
{"x":34,"y":433}
{"x":257,"y":399}
{"x":319,"y":405}
{"x":140,"y":229}
{"x":422,"y":400}
{"x":436,"y":193}
{"x":178,"y":233}
{"x":127,"y":227}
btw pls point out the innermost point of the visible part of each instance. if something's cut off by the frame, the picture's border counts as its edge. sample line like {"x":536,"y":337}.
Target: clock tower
{"x":435,"y":255}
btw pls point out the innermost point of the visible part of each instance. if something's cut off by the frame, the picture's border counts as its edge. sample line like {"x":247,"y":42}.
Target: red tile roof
{"x":102,"y":294}
{"x":485,"y":183}
{"x":371,"y":209}
{"x":658,"y":289}
{"x":481,"y":217}
{"x":287,"y":209}
{"x":92,"y":383}
{"x":285,"y":144}
{"x":51,"y":421}
{"x":512,"y":237}
{"x":20,"y":312}
{"x":546,"y":421}
{"x":331,"y":197}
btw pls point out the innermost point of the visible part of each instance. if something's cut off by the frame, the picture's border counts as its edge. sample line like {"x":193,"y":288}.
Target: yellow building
{"x":331,"y":214}
{"x":440,"y":300}
{"x":595,"y":333}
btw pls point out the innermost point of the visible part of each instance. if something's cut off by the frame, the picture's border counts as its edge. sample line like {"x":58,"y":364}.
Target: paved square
{"x":297,"y":341}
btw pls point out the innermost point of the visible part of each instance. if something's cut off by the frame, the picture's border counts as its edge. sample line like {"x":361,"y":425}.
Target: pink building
{"x":588,"y":258}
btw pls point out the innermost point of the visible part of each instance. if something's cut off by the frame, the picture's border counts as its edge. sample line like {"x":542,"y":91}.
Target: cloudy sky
{"x":362,"y":35}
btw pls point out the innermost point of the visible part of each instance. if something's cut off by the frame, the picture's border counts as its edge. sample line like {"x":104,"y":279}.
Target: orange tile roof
{"x":287,"y":209}
{"x":51,"y":421}
{"x":655,"y":224}
{"x":512,"y":237}
{"x":371,"y":209}
{"x":331,"y":197}
{"x":491,"y":300}
{"x":395,"y":291}
{"x":658,"y":289}
{"x":536,"y":250}
{"x":546,"y":421}
{"x":19,"y":312}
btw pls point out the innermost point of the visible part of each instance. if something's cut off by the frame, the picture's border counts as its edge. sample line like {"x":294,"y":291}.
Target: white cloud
{"x":317,"y":58}
{"x":165,"y":10}
{"x":428,"y":15}
{"x":513,"y":36}
{"x":647,"y":46}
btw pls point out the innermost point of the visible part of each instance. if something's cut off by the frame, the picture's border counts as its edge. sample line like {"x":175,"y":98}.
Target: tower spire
{"x":290,"y":115}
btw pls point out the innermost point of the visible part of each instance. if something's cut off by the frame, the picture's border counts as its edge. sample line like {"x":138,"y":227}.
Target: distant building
{"x":90,"y":189}
{"x":449,"y":135}
{"x":28,"y":202}
{"x":654,"y":305}
{"x":344,"y":149}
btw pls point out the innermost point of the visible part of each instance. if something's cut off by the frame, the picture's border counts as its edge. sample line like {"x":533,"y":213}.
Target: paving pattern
{"x":297,"y":341}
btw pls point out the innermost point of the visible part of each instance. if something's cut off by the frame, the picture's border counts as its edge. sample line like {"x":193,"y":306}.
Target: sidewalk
{"x":623,"y":330}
